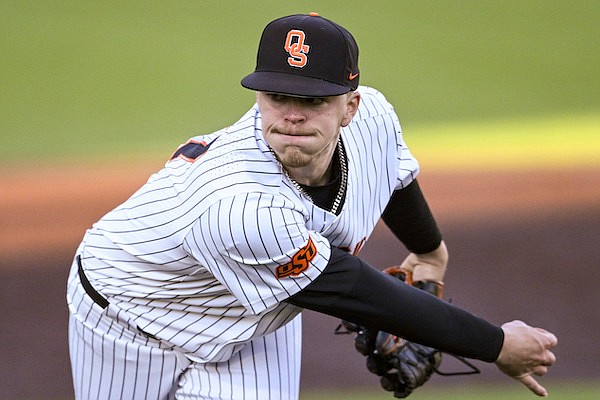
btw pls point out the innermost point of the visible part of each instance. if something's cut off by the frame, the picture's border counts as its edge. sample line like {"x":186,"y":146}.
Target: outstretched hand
{"x":526,"y":352}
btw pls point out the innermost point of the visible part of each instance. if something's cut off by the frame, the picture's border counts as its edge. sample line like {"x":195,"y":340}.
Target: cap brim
{"x":292,"y":85}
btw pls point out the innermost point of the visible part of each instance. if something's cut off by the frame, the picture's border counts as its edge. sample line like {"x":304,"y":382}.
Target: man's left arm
{"x":410,"y":219}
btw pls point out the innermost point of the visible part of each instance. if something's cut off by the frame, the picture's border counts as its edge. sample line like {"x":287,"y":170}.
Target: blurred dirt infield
{"x":523,"y":245}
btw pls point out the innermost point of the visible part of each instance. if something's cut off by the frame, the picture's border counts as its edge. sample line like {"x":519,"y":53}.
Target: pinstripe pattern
{"x":270,"y":365}
{"x":191,"y":257}
{"x":110,"y":359}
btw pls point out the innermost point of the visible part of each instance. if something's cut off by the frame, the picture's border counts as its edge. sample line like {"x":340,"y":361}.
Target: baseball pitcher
{"x":193,"y":288}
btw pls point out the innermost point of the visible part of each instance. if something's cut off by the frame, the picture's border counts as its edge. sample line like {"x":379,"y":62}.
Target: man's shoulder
{"x":372,"y":103}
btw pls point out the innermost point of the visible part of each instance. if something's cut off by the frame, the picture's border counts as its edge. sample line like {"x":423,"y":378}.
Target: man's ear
{"x":352,"y":103}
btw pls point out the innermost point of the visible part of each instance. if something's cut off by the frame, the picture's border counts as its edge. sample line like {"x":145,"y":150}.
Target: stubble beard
{"x":293,"y":158}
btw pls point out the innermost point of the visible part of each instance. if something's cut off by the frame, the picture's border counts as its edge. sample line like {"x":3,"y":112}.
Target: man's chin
{"x":295,"y":162}
{"x":293,"y":158}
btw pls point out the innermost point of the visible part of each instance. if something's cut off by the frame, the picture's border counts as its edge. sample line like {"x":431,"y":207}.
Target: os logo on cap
{"x":305,"y":55}
{"x":294,"y":45}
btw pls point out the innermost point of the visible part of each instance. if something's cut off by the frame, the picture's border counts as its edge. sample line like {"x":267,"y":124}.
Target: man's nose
{"x":294,"y":113}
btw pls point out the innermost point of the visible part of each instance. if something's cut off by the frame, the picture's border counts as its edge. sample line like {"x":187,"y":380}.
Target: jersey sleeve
{"x":354,"y":291}
{"x":374,"y":103}
{"x":408,"y":166}
{"x":257,"y":246}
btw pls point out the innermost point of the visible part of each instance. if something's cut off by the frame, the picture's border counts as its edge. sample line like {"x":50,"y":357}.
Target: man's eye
{"x":277,"y":97}
{"x":314,"y":100}
{"x":281,"y":98}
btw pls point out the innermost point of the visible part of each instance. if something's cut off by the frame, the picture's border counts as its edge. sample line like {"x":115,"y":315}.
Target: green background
{"x":557,"y":391}
{"x":106,"y":79}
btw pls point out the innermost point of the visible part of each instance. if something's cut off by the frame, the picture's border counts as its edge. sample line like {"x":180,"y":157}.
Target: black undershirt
{"x":408,"y":216}
{"x":354,"y":291}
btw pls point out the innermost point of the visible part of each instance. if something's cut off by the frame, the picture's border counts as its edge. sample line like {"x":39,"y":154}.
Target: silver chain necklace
{"x":343,"y":179}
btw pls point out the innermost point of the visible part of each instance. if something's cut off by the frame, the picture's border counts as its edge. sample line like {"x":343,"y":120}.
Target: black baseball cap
{"x":305,"y":55}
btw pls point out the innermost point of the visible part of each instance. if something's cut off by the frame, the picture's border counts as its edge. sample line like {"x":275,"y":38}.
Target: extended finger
{"x":533,"y":385}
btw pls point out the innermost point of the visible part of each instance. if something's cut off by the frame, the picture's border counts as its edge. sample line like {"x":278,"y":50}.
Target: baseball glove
{"x":401,"y":365}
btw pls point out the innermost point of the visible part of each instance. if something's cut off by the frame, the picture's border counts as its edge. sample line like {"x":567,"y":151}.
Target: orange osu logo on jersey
{"x":294,"y":45}
{"x":299,"y":262}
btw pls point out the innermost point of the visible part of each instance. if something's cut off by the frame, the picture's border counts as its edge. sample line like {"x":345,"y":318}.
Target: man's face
{"x":303,"y":132}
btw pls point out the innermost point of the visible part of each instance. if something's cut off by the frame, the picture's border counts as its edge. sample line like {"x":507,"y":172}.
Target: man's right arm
{"x":354,"y":291}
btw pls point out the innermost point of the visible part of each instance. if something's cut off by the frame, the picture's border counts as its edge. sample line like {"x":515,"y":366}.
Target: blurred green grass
{"x":512,"y":391}
{"x":118,"y":79}
{"x":509,"y":391}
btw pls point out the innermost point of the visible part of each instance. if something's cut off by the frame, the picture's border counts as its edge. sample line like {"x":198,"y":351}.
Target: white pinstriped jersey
{"x":194,"y":255}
